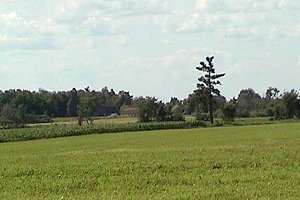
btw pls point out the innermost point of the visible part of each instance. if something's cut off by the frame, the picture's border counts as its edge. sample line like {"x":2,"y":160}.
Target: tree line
{"x":206,"y":102}
{"x":285,"y":105}
{"x":23,"y":106}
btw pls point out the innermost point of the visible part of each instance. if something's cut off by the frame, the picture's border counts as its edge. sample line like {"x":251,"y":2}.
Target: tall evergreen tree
{"x":208,"y":83}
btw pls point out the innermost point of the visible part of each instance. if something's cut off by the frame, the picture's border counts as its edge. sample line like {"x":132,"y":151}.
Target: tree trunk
{"x":211,"y":109}
{"x":211,"y":117}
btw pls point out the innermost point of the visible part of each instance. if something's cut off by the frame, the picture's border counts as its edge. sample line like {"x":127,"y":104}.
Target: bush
{"x":280,"y":111}
{"x":244,"y":114}
{"x":12,"y":116}
{"x":177,"y":113}
{"x":202,"y":116}
{"x":228,"y":112}
{"x":36,"y":119}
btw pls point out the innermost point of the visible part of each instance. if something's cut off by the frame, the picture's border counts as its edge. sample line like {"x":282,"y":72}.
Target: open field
{"x":123,"y":120}
{"x":97,"y":120}
{"x":247,"y":162}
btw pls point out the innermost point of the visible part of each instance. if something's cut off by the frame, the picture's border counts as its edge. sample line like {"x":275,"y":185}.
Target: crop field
{"x":64,"y":130}
{"x":238,"y":162}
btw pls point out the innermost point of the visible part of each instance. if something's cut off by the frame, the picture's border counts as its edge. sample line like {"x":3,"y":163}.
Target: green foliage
{"x":12,"y":116}
{"x":86,"y":107}
{"x":291,"y":102}
{"x":147,"y":109}
{"x":247,"y":102}
{"x":151,"y":110}
{"x":198,"y":101}
{"x":42,"y":132}
{"x":8,"y":114}
{"x":62,"y":103}
{"x":244,"y":113}
{"x":177,"y":115}
{"x":288,"y":106}
{"x":280,"y":111}
{"x":36,"y":119}
{"x":72,"y":103}
{"x":208,"y":83}
{"x":124,"y":98}
{"x":202,"y":116}
{"x":272,"y":93}
{"x":18,"y":107}
{"x":162,"y":113}
{"x":228,"y":112}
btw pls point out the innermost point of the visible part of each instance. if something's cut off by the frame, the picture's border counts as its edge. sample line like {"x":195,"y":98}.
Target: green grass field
{"x":96,"y":120}
{"x":248,"y":162}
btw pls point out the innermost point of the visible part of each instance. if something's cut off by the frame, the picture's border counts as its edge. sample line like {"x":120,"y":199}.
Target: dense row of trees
{"x":23,"y":106}
{"x":152,"y":110}
{"x":20,"y":105}
{"x":206,"y":102}
{"x":285,"y":105}
{"x":207,"y":98}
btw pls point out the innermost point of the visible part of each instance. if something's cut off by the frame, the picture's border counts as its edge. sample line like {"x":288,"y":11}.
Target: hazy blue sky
{"x":149,"y":47}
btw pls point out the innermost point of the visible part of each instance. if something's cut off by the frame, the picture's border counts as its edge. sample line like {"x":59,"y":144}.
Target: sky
{"x":149,"y":47}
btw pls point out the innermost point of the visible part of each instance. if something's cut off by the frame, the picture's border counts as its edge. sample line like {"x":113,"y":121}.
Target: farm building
{"x":131,"y":111}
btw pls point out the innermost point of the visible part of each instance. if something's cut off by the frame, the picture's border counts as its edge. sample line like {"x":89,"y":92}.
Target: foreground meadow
{"x":249,"y":162}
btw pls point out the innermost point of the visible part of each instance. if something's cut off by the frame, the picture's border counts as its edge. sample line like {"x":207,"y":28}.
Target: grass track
{"x":255,"y":162}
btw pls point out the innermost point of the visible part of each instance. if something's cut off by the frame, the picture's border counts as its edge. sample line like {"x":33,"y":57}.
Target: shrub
{"x":280,"y":111}
{"x":202,"y":116}
{"x":244,"y":113}
{"x":228,"y":112}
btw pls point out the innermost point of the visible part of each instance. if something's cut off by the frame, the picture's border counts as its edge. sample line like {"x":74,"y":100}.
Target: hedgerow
{"x":54,"y":131}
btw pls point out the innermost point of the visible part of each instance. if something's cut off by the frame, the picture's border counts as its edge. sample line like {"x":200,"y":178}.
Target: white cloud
{"x":19,"y":33}
{"x":181,"y":62}
{"x":66,"y":10}
{"x":147,"y":42}
{"x":198,"y":23}
{"x":298,"y":63}
{"x":232,"y":6}
{"x":289,"y":4}
{"x":142,"y":7}
{"x":201,"y":5}
{"x":49,"y":27}
{"x":3,"y":38}
{"x":102,"y":17}
{"x":66,"y":19}
{"x":96,"y":23}
{"x":247,"y":19}
{"x":241,"y":32}
{"x":72,"y":43}
{"x":4,"y":68}
{"x":15,"y":25}
{"x":70,"y":11}
{"x":122,"y":40}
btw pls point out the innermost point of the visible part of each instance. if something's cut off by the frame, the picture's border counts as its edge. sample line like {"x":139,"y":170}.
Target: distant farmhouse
{"x":130,"y":111}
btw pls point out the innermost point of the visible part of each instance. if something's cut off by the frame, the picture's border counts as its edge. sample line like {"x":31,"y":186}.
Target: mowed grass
{"x":249,"y":162}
